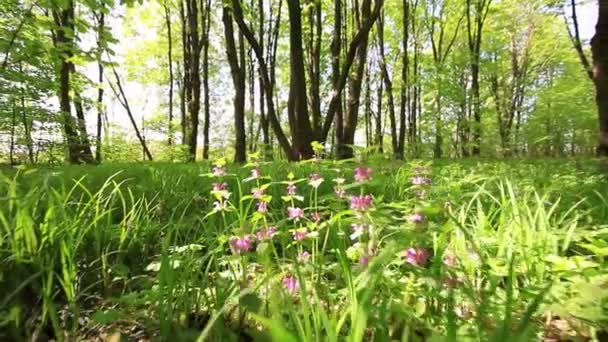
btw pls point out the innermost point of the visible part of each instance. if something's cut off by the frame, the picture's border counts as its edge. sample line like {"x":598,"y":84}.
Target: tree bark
{"x":205,"y":41}
{"x":388,"y":84}
{"x":297,"y":106}
{"x":599,"y":49}
{"x":64,"y":19}
{"x":238,"y":81}
{"x":100,"y":108}
{"x":399,"y":145}
{"x":170,"y":63}
{"x":345,"y":147}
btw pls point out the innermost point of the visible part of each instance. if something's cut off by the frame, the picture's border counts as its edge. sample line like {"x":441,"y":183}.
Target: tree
{"x":599,"y":49}
{"x":237,"y":69}
{"x":476,"y":13}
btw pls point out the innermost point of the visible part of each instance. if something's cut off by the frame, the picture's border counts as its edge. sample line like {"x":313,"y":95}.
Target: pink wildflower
{"x":291,"y":189}
{"x":316,"y":217}
{"x":295,"y":213}
{"x":303,"y":256}
{"x":417,"y":256}
{"x":360,"y":203}
{"x":220,"y":186}
{"x":416,"y":218}
{"x":291,"y":284}
{"x":420,"y":180}
{"x":362,"y":174}
{"x":240,"y":245}
{"x":266,"y":234}
{"x":262,"y":207}
{"x":219,"y":171}
{"x":257,"y":193}
{"x":315,"y":180}
{"x":300,"y":234}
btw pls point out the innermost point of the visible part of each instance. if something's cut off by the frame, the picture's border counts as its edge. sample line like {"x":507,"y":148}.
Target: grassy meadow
{"x":377,"y":250}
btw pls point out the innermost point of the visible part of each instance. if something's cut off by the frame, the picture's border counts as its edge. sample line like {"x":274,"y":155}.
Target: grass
{"x":506,"y":251}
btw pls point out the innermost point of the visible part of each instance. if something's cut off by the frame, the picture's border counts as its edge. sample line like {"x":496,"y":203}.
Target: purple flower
{"x":316,"y":217}
{"x":220,"y":186}
{"x":240,"y":245}
{"x":267,"y":233}
{"x":303,"y":256}
{"x":315,"y":180}
{"x":291,"y":284}
{"x":257,"y":193}
{"x":295,"y":213}
{"x":300,"y":234}
{"x":450,"y":260}
{"x":360,"y":203}
{"x":255,"y":173}
{"x":417,"y":256}
{"x":262,"y":207}
{"x":362,"y":174}
{"x":291,"y":189}
{"x":420,"y":180}
{"x":416,"y":218}
{"x":219,"y":171}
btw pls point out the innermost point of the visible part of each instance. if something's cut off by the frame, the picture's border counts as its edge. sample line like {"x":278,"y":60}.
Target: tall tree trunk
{"x":27,"y":124}
{"x":238,"y":81}
{"x":399,"y":148}
{"x":63,"y":40}
{"x":205,"y":41}
{"x":297,"y":106}
{"x":268,"y":76}
{"x":185,"y":84}
{"x":388,"y":84}
{"x":170,"y":63}
{"x":345,"y":149}
{"x":100,"y":108}
{"x":368,"y":110}
{"x":379,"y":140}
{"x":475,"y":30}
{"x":599,"y":49}
{"x":82,"y":129}
{"x":336,"y":50}
{"x":263,"y":119}
{"x":193,"y":105}
{"x":314,"y":63}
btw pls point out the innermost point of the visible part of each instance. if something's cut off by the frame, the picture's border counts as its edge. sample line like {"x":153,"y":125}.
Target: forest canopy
{"x":87,"y":81}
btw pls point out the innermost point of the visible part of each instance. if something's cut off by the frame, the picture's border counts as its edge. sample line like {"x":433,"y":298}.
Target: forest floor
{"x":499,"y":250}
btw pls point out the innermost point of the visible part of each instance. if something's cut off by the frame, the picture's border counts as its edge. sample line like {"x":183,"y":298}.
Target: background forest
{"x":175,"y":80}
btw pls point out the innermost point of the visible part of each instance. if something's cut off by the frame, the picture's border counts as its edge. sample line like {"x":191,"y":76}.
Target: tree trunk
{"x":399,"y":148}
{"x":238,"y":81}
{"x":193,"y":105}
{"x":297,"y":106}
{"x":345,"y":149}
{"x":599,"y":49}
{"x":379,"y":140}
{"x":336,"y":50}
{"x":100,"y":108}
{"x":170,"y":62}
{"x":63,"y":40}
{"x":27,"y":126}
{"x":388,"y":84}
{"x":206,"y":23}
{"x":267,"y":151}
